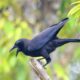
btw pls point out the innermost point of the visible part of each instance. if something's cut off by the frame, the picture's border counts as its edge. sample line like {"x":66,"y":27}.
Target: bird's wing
{"x":45,"y":36}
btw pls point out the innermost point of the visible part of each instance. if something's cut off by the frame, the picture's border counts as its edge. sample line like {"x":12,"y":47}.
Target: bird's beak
{"x":13,"y":48}
{"x":17,"y":52}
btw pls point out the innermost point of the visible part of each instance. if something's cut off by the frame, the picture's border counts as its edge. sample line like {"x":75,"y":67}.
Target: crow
{"x":44,"y":43}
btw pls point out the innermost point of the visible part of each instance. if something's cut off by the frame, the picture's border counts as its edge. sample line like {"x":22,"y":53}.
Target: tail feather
{"x":71,"y":40}
{"x":60,"y":42}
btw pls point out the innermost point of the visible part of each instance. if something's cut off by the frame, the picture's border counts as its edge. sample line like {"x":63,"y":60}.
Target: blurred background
{"x":25,"y":19}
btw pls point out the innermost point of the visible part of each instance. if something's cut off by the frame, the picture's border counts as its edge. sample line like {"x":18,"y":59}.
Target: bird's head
{"x":19,"y":44}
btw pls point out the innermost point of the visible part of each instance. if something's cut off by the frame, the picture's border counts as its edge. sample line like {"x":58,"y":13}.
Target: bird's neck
{"x":25,"y":51}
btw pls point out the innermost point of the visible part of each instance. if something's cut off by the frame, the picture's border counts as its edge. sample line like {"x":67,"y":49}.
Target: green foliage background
{"x":12,"y":68}
{"x":9,"y":64}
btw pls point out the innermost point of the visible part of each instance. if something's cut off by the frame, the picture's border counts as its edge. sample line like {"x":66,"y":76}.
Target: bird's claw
{"x":39,"y":61}
{"x":41,"y":64}
{"x":44,"y":67}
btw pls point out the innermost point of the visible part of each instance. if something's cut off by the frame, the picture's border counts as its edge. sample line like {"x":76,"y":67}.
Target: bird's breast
{"x":33,"y":53}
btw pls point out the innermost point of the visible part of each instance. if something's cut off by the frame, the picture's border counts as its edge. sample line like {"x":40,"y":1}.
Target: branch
{"x":38,"y":69}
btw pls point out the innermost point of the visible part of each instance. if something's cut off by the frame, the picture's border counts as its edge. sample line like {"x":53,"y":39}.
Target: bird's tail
{"x":60,"y":42}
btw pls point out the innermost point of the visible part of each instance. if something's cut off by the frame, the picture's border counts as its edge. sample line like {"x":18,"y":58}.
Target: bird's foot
{"x":39,"y":61}
{"x":44,"y":67}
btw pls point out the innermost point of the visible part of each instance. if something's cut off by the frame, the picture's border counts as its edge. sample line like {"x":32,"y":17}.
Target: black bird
{"x":44,"y":43}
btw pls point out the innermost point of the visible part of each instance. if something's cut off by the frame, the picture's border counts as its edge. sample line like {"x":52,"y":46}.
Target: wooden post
{"x":38,"y":69}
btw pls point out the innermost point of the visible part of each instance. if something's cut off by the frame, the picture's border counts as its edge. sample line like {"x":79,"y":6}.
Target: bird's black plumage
{"x":44,"y":43}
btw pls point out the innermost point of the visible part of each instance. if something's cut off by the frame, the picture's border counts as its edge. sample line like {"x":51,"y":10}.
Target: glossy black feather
{"x":46,"y":36}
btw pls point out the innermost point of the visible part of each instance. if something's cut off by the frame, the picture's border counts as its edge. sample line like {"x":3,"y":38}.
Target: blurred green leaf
{"x":60,"y":71}
{"x":74,"y":10}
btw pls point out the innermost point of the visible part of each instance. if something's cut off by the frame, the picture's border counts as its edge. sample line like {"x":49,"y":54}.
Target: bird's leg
{"x":46,"y":56}
{"x":48,"y":61}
